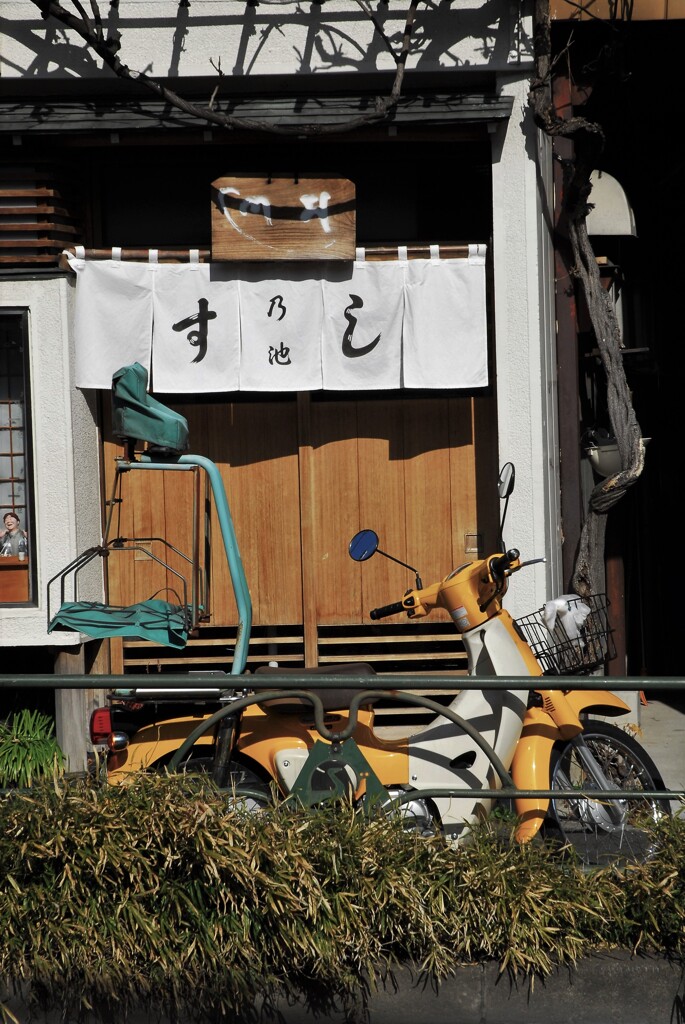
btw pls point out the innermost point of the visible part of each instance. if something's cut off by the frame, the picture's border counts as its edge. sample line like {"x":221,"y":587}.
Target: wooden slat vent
{"x":416,"y":647}
{"x":389,"y":648}
{"x":40,"y":214}
{"x":212,"y":648}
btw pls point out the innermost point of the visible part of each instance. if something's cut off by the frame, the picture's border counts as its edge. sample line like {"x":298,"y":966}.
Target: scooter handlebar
{"x":491,"y":585}
{"x":498,"y":566}
{"x":388,"y":609}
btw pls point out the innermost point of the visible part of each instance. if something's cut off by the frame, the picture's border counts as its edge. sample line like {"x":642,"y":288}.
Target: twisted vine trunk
{"x":589,"y":572}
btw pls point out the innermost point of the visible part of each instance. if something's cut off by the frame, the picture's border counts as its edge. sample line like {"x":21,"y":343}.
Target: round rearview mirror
{"x":363,"y":545}
{"x":505,"y":484}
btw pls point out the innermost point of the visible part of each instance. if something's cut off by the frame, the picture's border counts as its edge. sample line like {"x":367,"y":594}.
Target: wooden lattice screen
{"x":40,"y":213}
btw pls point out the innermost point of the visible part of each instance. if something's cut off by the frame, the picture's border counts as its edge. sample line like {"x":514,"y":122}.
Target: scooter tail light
{"x":100,"y":725}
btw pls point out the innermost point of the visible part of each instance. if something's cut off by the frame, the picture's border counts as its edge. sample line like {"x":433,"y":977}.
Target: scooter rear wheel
{"x":601,"y":831}
{"x":245,"y":789}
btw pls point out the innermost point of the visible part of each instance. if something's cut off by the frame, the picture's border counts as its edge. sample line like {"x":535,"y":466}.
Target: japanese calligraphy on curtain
{"x":206,"y":328}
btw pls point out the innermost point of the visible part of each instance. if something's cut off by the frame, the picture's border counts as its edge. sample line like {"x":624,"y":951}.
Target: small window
{"x":16,"y":534}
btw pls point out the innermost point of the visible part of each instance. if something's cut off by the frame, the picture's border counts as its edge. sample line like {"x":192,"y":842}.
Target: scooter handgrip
{"x":389,"y":609}
{"x":501,"y":564}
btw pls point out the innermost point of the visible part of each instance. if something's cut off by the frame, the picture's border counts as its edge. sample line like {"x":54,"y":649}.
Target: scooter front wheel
{"x":603,"y":831}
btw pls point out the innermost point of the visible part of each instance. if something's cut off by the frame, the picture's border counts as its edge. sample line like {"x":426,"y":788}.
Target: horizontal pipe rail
{"x":385,"y":685}
{"x":546,"y":794}
{"x":389,"y":682}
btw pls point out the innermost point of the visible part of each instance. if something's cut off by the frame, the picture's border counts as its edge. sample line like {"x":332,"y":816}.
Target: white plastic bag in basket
{"x":570,"y":615}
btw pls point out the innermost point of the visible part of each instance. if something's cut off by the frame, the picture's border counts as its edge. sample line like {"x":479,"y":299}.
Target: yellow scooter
{"x":322,"y":745}
{"x":542,"y":737}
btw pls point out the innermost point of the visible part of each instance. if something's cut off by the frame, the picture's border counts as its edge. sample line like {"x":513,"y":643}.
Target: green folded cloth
{"x":154,"y":620}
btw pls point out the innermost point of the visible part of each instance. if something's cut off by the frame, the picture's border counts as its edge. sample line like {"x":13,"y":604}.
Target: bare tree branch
{"x":86,"y":20}
{"x":97,"y":18}
{"x":377,"y":28}
{"x":404,"y":53}
{"x":539,"y":95}
{"x":108,"y":48}
{"x":217,"y":67}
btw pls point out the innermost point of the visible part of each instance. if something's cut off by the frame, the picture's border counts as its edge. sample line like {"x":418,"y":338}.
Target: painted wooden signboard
{"x":257,"y":217}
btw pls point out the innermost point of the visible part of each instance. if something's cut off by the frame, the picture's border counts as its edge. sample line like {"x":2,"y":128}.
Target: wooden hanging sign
{"x":257,"y":217}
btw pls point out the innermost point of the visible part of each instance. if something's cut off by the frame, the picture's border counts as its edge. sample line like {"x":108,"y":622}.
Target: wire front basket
{"x":560,"y":652}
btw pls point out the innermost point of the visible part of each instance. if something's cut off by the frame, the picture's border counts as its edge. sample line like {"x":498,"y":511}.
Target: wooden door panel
{"x":381,"y":501}
{"x":152,"y":505}
{"x":473,"y":470}
{"x":274,"y":507}
{"x":333,"y":505}
{"x":427,"y":492}
{"x":465,"y":524}
{"x":263,"y":494}
{"x":386,"y":465}
{"x":484,"y":504}
{"x":301,"y":482}
{"x":177,"y":515}
{"x":255,"y":446}
{"x":149,"y":521}
{"x":223,"y":443}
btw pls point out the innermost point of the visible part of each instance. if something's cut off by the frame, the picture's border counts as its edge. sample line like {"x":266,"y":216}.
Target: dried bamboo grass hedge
{"x":160,"y":894}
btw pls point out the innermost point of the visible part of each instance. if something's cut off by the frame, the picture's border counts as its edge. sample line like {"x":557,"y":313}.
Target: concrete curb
{"x":601,"y":990}
{"x":611,"y":988}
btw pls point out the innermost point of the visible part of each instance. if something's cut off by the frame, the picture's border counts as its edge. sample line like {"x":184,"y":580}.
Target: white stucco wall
{"x":65,"y":458}
{"x":291,"y":39}
{"x":524,"y":328}
{"x":163,"y":40}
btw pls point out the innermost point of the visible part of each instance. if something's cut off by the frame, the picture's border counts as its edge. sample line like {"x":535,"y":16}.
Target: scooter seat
{"x":332,"y":700}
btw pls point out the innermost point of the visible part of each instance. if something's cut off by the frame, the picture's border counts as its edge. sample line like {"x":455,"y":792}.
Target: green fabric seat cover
{"x":137,"y":415}
{"x":154,"y":620}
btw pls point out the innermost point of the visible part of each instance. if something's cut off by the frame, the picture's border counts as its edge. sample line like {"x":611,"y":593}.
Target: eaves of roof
{"x":75,"y":115}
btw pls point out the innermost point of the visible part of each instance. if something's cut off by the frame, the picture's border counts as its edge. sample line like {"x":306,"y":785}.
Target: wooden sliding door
{"x":303,"y":474}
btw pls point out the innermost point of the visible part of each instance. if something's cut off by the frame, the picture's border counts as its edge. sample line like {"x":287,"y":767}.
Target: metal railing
{"x":393,"y":686}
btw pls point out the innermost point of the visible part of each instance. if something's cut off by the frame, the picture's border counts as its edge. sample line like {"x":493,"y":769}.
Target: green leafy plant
{"x":162,"y":890}
{"x":28,"y":749}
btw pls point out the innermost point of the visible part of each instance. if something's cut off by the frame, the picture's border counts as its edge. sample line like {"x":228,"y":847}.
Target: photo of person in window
{"x":13,"y":542}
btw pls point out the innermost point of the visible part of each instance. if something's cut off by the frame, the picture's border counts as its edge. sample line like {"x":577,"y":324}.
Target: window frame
{"x":21,"y":314}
